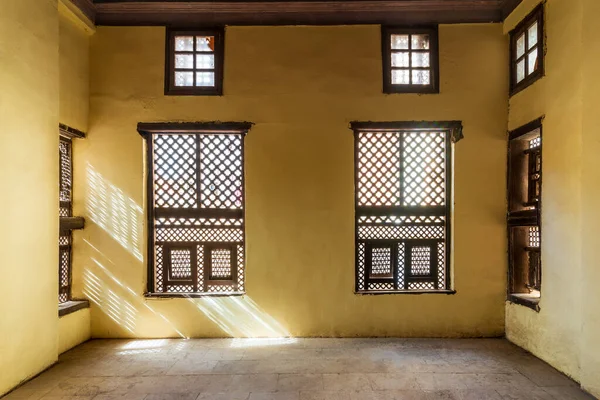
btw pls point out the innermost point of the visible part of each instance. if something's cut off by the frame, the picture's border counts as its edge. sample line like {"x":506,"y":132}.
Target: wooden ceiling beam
{"x":294,"y":12}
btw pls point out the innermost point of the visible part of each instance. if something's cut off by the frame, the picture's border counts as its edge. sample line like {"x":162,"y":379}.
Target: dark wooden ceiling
{"x":294,"y":12}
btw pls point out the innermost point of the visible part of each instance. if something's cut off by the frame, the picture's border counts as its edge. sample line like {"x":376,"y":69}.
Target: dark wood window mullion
{"x":194,"y":57}
{"x":410,"y":79}
{"x":526,"y":54}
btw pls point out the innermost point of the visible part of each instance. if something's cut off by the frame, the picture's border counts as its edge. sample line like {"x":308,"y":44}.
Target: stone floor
{"x":300,"y":369}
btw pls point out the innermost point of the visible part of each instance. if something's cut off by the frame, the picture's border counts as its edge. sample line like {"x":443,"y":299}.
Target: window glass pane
{"x":205,"y":43}
{"x":400,"y":59}
{"x":400,"y":77}
{"x":205,"y":79}
{"x":184,"y":61}
{"x":399,"y":42}
{"x":184,"y":79}
{"x":420,"y":42}
{"x":520,"y":71}
{"x":205,"y":61}
{"x":420,"y":77}
{"x":532,"y":62}
{"x":420,"y":59}
{"x":184,"y":43}
{"x":521,"y":46}
{"x":533,"y":35}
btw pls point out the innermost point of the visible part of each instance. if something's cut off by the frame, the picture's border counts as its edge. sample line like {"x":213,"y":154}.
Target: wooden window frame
{"x":147,"y":131}
{"x":453,"y":133}
{"x":523,"y":214}
{"x":219,"y":53}
{"x":537,"y":15}
{"x":67,"y":222}
{"x":434,"y":68}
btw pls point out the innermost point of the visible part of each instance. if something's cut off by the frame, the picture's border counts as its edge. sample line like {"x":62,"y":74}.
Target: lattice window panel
{"x":66,"y":170}
{"x":65,"y":209}
{"x":424,"y":169}
{"x":221,"y":171}
{"x":420,"y":263}
{"x":198,"y":197}
{"x":175,"y":171}
{"x":534,"y":236}
{"x":378,"y":169}
{"x":536,"y":142}
{"x":398,"y":174}
{"x":381,"y":261}
{"x":221,"y":264}
{"x":64,"y":268}
{"x":181,"y":264}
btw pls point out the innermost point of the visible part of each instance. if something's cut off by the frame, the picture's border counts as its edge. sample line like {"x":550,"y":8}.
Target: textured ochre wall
{"x":74,"y":60}
{"x":301,"y":86}
{"x":28,"y":175}
{"x":74,"y":44}
{"x":565,"y":332}
{"x":590,"y":163}
{"x":73,"y":329}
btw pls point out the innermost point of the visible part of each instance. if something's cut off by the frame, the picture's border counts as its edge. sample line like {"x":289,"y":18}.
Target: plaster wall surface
{"x":28,"y":174}
{"x":590,"y":343}
{"x":301,"y":86}
{"x":74,"y":45}
{"x":561,"y":333}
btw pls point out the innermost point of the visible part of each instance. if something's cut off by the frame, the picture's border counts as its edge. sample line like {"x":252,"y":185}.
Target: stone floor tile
{"x":224,"y":396}
{"x":274,"y":396}
{"x":300,"y":369}
{"x":346,"y":382}
{"x":298,"y":382}
{"x":169,"y":396}
{"x":395,"y":381}
{"x":568,"y":393}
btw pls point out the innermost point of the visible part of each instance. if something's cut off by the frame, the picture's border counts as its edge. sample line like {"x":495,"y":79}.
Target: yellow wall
{"x":301,"y":86}
{"x":28,"y":175}
{"x":590,"y":344}
{"x":73,"y":329}
{"x":74,"y":70}
{"x":565,"y":332}
{"x":74,"y":60}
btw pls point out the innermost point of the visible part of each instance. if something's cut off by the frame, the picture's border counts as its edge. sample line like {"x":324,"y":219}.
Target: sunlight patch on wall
{"x":100,"y":293}
{"x":94,"y":281}
{"x":115,"y":212}
{"x":240,"y":317}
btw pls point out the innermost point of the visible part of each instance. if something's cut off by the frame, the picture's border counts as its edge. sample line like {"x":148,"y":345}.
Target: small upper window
{"x":194,"y":64}
{"x":527,"y":51}
{"x":410,"y":60}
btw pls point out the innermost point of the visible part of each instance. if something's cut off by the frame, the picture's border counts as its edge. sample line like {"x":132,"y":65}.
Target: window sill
{"x":70,"y":307}
{"x":526,"y":300}
{"x":190,"y":295}
{"x":379,"y":292}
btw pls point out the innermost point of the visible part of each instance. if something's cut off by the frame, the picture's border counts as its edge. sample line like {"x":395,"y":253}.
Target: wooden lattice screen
{"x":65,"y":210}
{"x":523,"y":216}
{"x":403,"y":197}
{"x":196,"y":203}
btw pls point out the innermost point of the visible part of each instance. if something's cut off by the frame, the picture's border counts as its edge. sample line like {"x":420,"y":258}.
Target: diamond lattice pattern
{"x":181,"y":264}
{"x":220,"y":263}
{"x":197,"y":177}
{"x":378,"y":169}
{"x":381,"y":261}
{"x":221,"y":171}
{"x":420,"y":261}
{"x":402,"y":169}
{"x":175,"y":171}
{"x":424,"y":159}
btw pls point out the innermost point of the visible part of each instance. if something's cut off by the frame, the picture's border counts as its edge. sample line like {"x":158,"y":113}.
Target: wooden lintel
{"x":305,"y":12}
